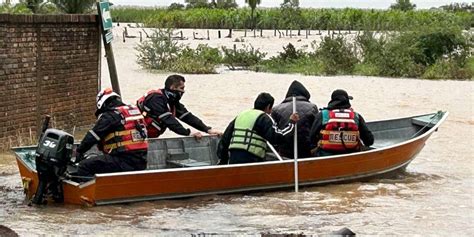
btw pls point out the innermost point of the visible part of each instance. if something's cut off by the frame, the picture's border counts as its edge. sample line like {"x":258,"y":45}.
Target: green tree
{"x":403,"y":5}
{"x":176,"y":6}
{"x":197,"y":4}
{"x":459,"y":7}
{"x":291,"y":14}
{"x":226,"y":4}
{"x":33,"y":5}
{"x":73,"y":6}
{"x":253,"y":5}
{"x":20,"y":8}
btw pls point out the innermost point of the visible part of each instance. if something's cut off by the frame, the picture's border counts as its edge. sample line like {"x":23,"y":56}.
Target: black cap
{"x":340,"y":94}
{"x":339,"y":100}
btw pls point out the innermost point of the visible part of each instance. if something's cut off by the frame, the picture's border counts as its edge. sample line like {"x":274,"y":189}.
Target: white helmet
{"x":103,"y":95}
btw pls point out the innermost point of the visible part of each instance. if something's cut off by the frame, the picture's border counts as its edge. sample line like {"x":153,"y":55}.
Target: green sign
{"x":104,"y":9}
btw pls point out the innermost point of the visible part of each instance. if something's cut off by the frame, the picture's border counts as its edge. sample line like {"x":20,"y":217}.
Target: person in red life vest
{"x":162,"y":109}
{"x":119,"y":133}
{"x":338,"y":129}
{"x":245,"y":138}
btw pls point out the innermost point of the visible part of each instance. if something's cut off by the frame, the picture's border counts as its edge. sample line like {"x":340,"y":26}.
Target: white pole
{"x":295,"y":146}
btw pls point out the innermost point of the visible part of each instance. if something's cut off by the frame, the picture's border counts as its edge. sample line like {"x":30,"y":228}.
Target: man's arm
{"x":106,"y":123}
{"x":268,"y":129}
{"x":365,"y":134}
{"x":186,"y":116}
{"x":224,"y":143}
{"x":158,"y":107}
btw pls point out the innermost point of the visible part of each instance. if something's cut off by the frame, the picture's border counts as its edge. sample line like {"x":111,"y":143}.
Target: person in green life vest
{"x":244,"y":140}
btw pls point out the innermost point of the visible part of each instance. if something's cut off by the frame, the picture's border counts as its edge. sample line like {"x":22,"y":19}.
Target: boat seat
{"x":186,"y":163}
{"x":177,"y":156}
{"x":176,"y":160}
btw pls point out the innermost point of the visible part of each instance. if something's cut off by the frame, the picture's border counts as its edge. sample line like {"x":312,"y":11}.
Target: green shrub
{"x":396,"y":60}
{"x":446,"y":69}
{"x":410,"y":53}
{"x":209,"y":54}
{"x":201,"y":60}
{"x":159,"y":52}
{"x":336,"y":55}
{"x":304,"y":65}
{"x":191,"y":65}
{"x":366,"y":69}
{"x":290,"y":53}
{"x":241,"y":58}
{"x":436,"y":43}
{"x":371,"y":48}
{"x":164,"y":53}
{"x":470,"y":66}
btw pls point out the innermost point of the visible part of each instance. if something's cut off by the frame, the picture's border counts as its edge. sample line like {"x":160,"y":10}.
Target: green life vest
{"x":244,"y":137}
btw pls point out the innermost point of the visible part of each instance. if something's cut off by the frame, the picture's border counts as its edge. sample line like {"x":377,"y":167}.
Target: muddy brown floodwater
{"x":433,"y":197}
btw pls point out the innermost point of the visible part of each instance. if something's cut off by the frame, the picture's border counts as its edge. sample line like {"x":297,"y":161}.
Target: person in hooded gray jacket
{"x":307,"y":112}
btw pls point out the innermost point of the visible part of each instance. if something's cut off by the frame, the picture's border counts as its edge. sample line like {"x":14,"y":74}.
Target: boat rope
{"x":435,"y":116}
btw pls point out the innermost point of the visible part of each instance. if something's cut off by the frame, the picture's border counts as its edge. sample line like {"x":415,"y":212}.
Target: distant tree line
{"x":291,"y":16}
{"x":48,"y":6}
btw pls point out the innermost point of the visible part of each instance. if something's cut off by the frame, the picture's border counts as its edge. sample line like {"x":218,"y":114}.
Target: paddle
{"x":295,"y":146}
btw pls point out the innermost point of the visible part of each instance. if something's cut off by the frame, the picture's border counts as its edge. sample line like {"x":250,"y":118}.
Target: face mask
{"x":174,"y":95}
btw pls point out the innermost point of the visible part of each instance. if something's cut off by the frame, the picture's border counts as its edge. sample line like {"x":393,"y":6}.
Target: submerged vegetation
{"x":399,"y":42}
{"x":431,"y":53}
{"x":162,"y":52}
{"x":435,"y":52}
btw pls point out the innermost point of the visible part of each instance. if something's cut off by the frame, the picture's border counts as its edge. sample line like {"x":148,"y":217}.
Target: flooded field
{"x":433,"y":197}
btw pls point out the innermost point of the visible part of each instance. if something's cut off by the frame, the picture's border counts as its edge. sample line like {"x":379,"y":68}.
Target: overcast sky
{"x":380,"y":4}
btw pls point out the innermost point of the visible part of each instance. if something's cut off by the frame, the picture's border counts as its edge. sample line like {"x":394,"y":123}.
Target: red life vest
{"x":341,"y":131}
{"x":131,"y":137}
{"x":155,"y":126}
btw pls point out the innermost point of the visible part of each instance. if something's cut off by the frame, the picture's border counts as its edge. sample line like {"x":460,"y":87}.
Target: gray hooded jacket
{"x":307,"y":112}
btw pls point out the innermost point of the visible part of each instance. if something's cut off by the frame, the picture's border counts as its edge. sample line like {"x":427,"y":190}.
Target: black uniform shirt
{"x":161,"y":108}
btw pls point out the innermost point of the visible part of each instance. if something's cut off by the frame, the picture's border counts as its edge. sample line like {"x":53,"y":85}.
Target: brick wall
{"x":49,"y":64}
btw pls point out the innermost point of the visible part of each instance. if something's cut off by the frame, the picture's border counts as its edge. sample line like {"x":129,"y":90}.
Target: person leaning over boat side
{"x":246,"y":136}
{"x":162,"y":110}
{"x":307,"y":112}
{"x":119,"y":133}
{"x":338,"y":129}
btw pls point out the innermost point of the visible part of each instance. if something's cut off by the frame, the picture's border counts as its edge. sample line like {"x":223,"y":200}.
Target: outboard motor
{"x":52,"y":156}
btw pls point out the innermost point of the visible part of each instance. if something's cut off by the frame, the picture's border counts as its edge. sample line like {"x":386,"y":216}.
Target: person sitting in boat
{"x":162,"y":109}
{"x":246,"y":136}
{"x":307,"y":112}
{"x":119,"y":133}
{"x":338,"y":129}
